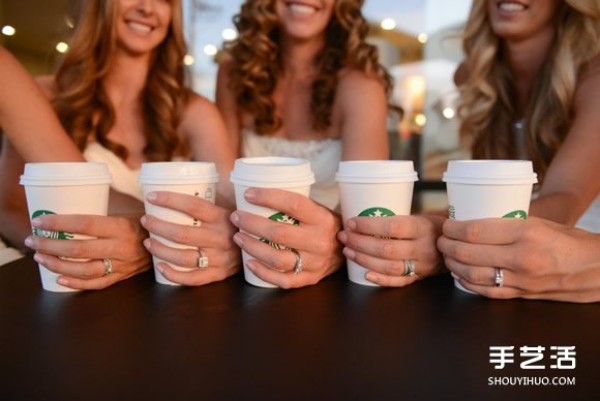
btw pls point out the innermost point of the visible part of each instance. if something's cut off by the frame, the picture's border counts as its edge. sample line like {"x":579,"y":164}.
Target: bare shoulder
{"x":199,"y":111}
{"x":47,"y":84}
{"x":355,"y":86}
{"x":588,"y":83}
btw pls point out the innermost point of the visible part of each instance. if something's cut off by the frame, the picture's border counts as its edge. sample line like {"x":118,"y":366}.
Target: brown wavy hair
{"x":81,"y":102}
{"x":486,"y":107}
{"x":257,"y":61}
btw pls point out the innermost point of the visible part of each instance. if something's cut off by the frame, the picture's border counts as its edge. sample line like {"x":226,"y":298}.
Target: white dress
{"x":124,"y":178}
{"x":324,"y":156}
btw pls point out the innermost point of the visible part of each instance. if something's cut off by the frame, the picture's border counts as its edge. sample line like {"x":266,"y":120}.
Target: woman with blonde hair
{"x":530,"y":89}
{"x":121,"y":94}
{"x":301,"y":81}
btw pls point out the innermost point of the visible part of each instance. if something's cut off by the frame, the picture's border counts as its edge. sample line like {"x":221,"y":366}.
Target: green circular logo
{"x":45,"y":233}
{"x":281,"y":218}
{"x":516,"y":214}
{"x":376,"y":212}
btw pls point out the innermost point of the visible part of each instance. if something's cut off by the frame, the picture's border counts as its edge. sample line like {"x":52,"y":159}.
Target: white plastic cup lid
{"x":495,"y":172}
{"x":376,"y":171}
{"x":267,"y":172}
{"x":176,"y":173}
{"x":65,"y":173}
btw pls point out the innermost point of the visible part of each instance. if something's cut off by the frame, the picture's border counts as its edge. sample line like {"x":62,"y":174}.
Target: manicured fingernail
{"x":251,"y":266}
{"x":250,"y":194}
{"x":342,"y":236}
{"x":161,"y":269}
{"x":36,"y":222}
{"x":349,"y":253}
{"x":237,"y":238}
{"x":235,"y":218}
{"x":372,"y":277}
{"x":28,"y":242}
{"x":351,"y":224}
{"x":38,"y":258}
{"x":147,"y":243}
{"x":143,"y":219}
{"x":62,"y":281}
{"x":151,"y":196}
{"x":454,"y":275}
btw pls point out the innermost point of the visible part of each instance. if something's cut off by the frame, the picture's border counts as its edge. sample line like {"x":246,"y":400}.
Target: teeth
{"x":302,"y":9}
{"x":136,"y":26}
{"x":511,"y":7}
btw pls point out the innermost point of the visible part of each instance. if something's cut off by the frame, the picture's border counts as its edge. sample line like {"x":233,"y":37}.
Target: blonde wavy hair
{"x":257,"y":61}
{"x":487,"y":110}
{"x":81,"y":101}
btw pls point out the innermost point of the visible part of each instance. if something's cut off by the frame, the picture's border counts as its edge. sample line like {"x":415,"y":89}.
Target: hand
{"x":117,"y":238}
{"x":314,"y":238}
{"x":213,"y":236}
{"x":382,"y":244}
{"x":539,"y":259}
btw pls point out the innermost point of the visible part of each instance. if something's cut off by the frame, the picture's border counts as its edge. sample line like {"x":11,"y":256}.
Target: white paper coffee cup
{"x":480,"y":189}
{"x":64,"y":188}
{"x":291,"y":174}
{"x":375,"y":188}
{"x":191,"y":178}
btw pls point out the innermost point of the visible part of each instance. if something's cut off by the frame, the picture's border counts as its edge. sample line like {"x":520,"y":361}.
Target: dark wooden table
{"x":230,"y":341}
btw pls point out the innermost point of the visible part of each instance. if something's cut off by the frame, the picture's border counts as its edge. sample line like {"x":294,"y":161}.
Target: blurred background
{"x":419,"y":42}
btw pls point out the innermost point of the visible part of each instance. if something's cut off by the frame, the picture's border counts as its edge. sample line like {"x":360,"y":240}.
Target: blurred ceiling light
{"x":8,"y":30}
{"x":388,"y":24}
{"x":229,"y":34}
{"x":422,"y":38}
{"x":69,"y":22}
{"x":420,"y":120}
{"x":62,"y":47}
{"x":210,"y":50}
{"x":188,"y":59}
{"x":448,"y":113}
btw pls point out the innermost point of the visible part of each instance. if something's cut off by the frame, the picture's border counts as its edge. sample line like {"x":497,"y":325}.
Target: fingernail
{"x":250,"y":265}
{"x":343,"y":237}
{"x":29,"y":242}
{"x":250,"y":194}
{"x":349,"y":253}
{"x":62,"y":281}
{"x":237,"y":238}
{"x":235,"y":218}
{"x":38,"y":258}
{"x":161,"y":269}
{"x":454,"y":275}
{"x":36,"y":222}
{"x":351,"y":224}
{"x":151,"y":196}
{"x":143,"y":220}
{"x":372,"y":277}
{"x":147,"y":243}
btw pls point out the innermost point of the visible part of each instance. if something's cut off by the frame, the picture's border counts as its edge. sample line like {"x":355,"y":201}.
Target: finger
{"x":91,"y":225}
{"x":390,"y":281}
{"x":484,"y":231}
{"x":279,"y":260}
{"x":380,"y":266}
{"x":380,"y":248}
{"x":405,"y":227}
{"x":194,"y":206}
{"x":84,"y":270}
{"x":477,"y":255}
{"x":476,"y":275}
{"x":491,"y":292}
{"x":195,"y":277}
{"x":78,"y":249}
{"x":298,"y":206}
{"x":186,"y":257}
{"x":93,"y":284}
{"x":180,"y":234}
{"x":282,"y":280}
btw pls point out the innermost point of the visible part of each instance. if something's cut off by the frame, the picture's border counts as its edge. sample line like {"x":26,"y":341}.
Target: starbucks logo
{"x":377,"y":212}
{"x":516,"y":214}
{"x":45,"y":233}
{"x":451,"y":212}
{"x":282,"y":218}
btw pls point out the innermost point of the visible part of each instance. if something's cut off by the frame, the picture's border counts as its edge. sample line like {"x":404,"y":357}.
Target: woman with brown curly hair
{"x":529,"y":86}
{"x":301,"y":81}
{"x":121,"y":96}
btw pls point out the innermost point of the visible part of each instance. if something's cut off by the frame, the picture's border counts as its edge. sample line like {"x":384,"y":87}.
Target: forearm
{"x":564,"y":208}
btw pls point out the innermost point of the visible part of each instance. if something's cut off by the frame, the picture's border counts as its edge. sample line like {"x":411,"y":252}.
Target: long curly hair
{"x":487,"y":108}
{"x":257,"y":61}
{"x":81,"y":102}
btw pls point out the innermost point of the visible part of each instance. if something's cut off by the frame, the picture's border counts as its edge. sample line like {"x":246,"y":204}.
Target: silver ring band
{"x":299,"y":263}
{"x":409,"y":267}
{"x":107,"y":266}
{"x":202,"y":260}
{"x":499,"y":277}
